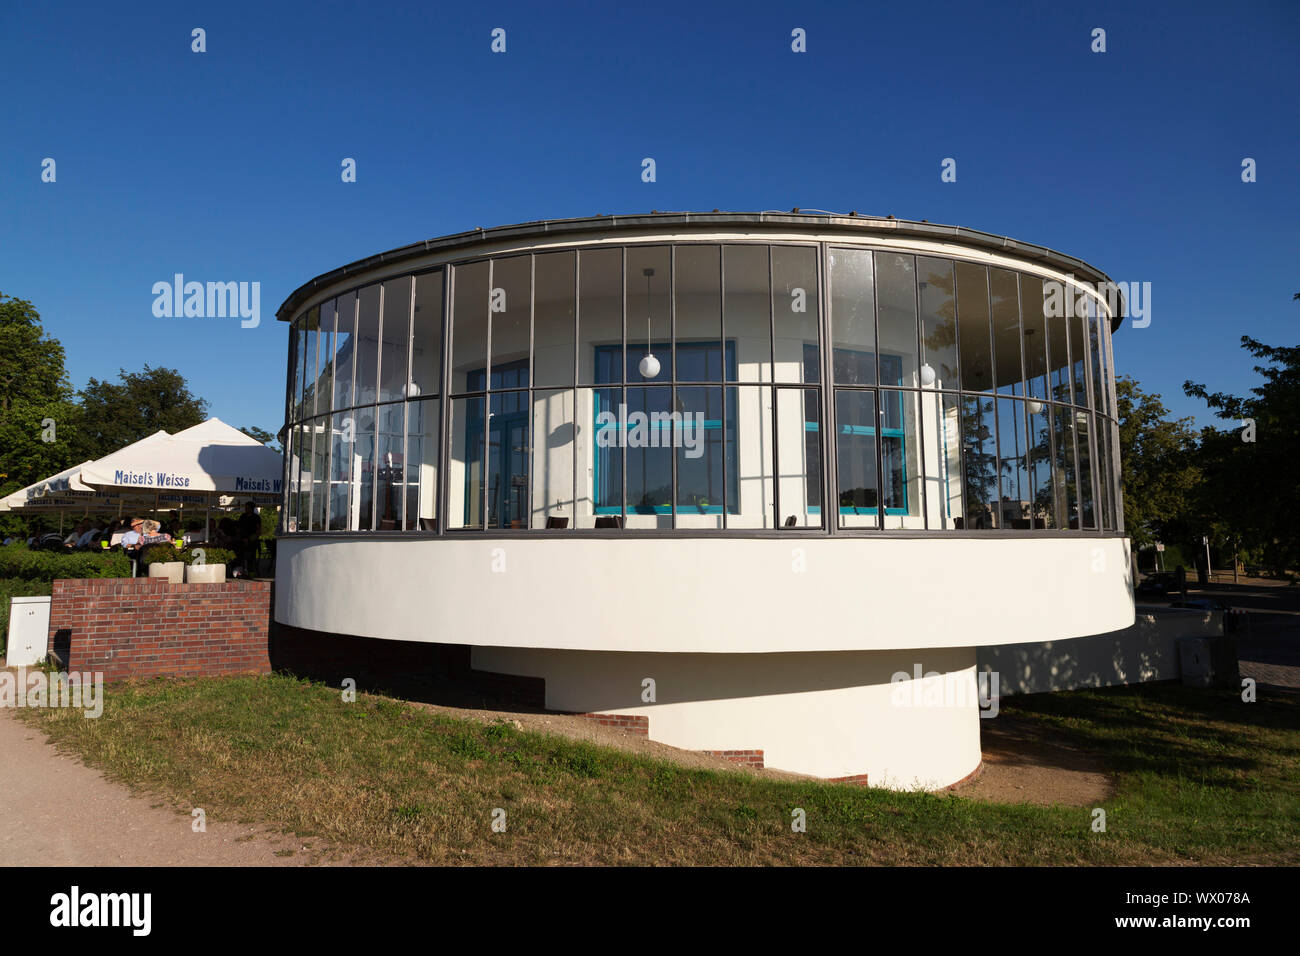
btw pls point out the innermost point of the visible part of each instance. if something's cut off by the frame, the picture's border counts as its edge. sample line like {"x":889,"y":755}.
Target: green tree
{"x":1251,"y":479}
{"x":262,"y":435}
{"x":37,"y":417}
{"x":115,"y":414}
{"x":1158,"y":466}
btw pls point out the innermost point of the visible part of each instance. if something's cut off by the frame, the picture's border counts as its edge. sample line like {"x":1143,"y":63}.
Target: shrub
{"x":211,"y":555}
{"x":160,"y":554}
{"x":19,"y":563}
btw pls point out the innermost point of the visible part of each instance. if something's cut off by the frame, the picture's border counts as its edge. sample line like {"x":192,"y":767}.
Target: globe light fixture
{"x":649,"y":366}
{"x":927,"y":375}
{"x":1035,"y":408}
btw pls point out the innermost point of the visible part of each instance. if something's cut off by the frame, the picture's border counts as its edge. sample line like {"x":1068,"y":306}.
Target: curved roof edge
{"x":802,"y":220}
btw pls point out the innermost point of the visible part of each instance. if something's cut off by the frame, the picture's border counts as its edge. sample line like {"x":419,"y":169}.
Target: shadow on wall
{"x":1147,"y":651}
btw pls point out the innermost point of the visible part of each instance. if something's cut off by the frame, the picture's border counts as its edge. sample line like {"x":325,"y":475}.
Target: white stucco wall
{"x":714,"y":595}
{"x":1146,"y":651}
{"x":823,"y":714}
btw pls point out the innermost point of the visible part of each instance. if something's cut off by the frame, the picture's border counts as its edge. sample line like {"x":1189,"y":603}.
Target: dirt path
{"x":1023,"y":763}
{"x":55,"y":811}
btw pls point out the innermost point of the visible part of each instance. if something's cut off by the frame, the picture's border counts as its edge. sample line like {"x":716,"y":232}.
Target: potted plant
{"x":164,"y":561}
{"x":207,"y":565}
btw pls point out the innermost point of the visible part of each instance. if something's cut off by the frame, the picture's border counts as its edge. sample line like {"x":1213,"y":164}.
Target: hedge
{"x":17,"y":562}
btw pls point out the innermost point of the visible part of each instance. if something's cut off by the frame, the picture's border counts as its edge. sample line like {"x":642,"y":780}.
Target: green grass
{"x":1202,"y":778}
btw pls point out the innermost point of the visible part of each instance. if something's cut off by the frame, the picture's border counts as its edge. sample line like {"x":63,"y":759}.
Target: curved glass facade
{"x":688,"y":386}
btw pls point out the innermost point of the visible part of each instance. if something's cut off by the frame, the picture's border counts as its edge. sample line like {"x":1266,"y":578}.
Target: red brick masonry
{"x":750,"y":758}
{"x":144,"y":627}
{"x":632,"y":723}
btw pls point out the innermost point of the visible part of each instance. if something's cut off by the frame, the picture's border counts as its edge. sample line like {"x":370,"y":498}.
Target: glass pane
{"x":1057,"y":363}
{"x":1067,"y":490}
{"x":469,"y":324}
{"x":465,"y":464}
{"x":1102,"y":442}
{"x":896,"y":306}
{"x":511,"y":304}
{"x":795,"y":311}
{"x":367,"y":346}
{"x":508,"y":457}
{"x":1097,"y":349}
{"x":938,"y":322}
{"x":900,"y":467}
{"x":1035,"y":328}
{"x":747,"y":310}
{"x":340,"y":470}
{"x":320,"y":428}
{"x":423,"y":422}
{"x":1083,"y":443}
{"x":1079,"y":358}
{"x":750,"y":501}
{"x":1004,"y":296}
{"x":853,"y":316}
{"x":600,"y":458}
{"x":799,"y":457}
{"x":649,"y":324}
{"x":973,"y":327}
{"x":1015,"y":495}
{"x":363,"y":473}
{"x":390,"y":471}
{"x":697,"y":291}
{"x":426,"y":337}
{"x":1040,"y":465}
{"x":600,"y":315}
{"x":858,"y":483}
{"x":941,"y":424}
{"x":320,"y":392}
{"x":293,"y":398}
{"x":345,"y":327}
{"x":554,"y":311}
{"x":307,"y":379}
{"x":648,"y":436}
{"x":702,"y":484}
{"x":554,"y":434}
{"x":397,"y":333}
{"x":980,"y":460}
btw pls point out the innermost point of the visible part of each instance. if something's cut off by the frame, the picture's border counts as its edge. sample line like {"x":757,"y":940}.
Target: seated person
{"x":152,"y":533}
{"x":71,"y":540}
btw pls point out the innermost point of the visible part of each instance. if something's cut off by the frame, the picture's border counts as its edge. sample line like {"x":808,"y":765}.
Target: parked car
{"x":1160,"y":583}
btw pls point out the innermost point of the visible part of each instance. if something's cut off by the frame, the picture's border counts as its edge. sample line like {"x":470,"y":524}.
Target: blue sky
{"x":225,"y":165}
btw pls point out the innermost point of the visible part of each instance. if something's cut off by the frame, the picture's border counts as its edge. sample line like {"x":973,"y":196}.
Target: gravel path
{"x":55,"y":811}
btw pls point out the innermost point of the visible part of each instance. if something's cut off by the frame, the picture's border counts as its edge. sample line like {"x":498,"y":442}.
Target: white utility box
{"x":29,"y":631}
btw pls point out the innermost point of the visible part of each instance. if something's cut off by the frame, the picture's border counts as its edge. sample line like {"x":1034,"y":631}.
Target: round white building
{"x":765,"y":480}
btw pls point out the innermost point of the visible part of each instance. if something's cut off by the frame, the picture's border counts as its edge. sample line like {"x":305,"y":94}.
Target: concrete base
{"x":826,"y":714}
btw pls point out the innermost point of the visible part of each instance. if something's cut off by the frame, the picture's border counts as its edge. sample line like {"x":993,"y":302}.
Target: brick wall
{"x":144,"y":627}
{"x":633,"y":723}
{"x":750,"y":758}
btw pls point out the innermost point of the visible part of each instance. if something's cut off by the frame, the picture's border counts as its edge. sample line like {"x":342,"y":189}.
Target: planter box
{"x":205,"y":574}
{"x":173,"y":571}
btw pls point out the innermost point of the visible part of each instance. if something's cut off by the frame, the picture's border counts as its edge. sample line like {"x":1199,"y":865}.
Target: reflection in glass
{"x":795,"y":310}
{"x":469,"y":325}
{"x":647,"y":434}
{"x":980,"y":461}
{"x":390,"y":472}
{"x":853,"y":315}
{"x":396,"y":335}
{"x":900,"y":469}
{"x":1079,"y":358}
{"x":1040,"y":465}
{"x":1083,"y":444}
{"x":1004,"y":296}
{"x":423,"y":423}
{"x":938,"y":322}
{"x":508,"y":457}
{"x":1038,"y":335}
{"x":896,"y":317}
{"x":941,"y":425}
{"x":973,"y":327}
{"x":366,"y":346}
{"x":1015,"y":498}
{"x":604,"y":451}
{"x":345,"y":327}
{"x":1067,"y":491}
